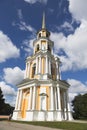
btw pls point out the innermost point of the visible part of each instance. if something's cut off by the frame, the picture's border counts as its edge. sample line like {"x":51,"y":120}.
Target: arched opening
{"x":43,"y":102}
{"x":49,"y":48}
{"x":37,"y":48}
{"x":39,"y":34}
{"x":25,"y":103}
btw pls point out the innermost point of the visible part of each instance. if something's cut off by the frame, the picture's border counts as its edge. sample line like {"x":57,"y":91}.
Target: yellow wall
{"x":47,"y":98}
{"x":38,"y":99}
{"x":24,"y":104}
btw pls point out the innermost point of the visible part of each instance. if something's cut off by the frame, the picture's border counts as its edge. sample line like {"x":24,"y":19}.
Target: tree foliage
{"x":80,"y":106}
{"x":5,"y":109}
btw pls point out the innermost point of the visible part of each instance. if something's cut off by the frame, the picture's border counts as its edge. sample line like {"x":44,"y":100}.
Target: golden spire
{"x":43,"y":21}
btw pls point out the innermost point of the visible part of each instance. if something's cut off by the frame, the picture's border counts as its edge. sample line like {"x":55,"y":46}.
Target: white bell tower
{"x":42,"y":95}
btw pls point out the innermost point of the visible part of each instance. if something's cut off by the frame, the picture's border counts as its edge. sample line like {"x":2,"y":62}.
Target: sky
{"x":19,"y":22}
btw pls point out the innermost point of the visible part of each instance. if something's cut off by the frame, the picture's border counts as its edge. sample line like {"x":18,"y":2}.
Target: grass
{"x":61,"y":125}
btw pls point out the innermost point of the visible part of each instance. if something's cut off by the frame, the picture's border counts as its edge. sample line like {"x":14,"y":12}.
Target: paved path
{"x":6,"y":125}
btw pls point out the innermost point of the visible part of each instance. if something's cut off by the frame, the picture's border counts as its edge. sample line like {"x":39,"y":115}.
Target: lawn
{"x":61,"y":125}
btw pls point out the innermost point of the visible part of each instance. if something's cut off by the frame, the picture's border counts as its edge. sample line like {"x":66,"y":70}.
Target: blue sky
{"x":19,"y":22}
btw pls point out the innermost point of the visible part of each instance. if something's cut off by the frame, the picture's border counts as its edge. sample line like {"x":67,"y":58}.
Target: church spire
{"x":43,"y":21}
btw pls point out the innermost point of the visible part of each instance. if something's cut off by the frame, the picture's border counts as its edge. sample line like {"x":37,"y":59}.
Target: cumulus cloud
{"x":78,"y":8}
{"x":9,"y":93}
{"x":13,"y":75}
{"x":7,"y":48}
{"x":34,"y":1}
{"x":77,"y":87}
{"x":74,"y":47}
{"x":7,"y":90}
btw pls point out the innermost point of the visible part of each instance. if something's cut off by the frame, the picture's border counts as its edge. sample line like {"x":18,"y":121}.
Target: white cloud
{"x":25,"y":27}
{"x":67,"y":26}
{"x":9,"y":93}
{"x":7,"y":48}
{"x":20,"y":14}
{"x":78,"y":8}
{"x":34,"y":1}
{"x":13,"y":75}
{"x":77,"y":87}
{"x":74,"y":46}
{"x":7,"y":90}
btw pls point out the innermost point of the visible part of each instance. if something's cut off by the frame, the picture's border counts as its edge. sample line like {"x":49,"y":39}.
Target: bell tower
{"x":42,"y":95}
{"x":45,"y":66}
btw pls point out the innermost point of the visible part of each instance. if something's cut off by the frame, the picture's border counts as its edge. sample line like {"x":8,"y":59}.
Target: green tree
{"x":80,"y":106}
{"x":5,"y":109}
{"x":1,"y":102}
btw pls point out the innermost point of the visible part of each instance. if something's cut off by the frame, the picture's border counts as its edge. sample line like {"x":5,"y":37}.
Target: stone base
{"x":42,"y":116}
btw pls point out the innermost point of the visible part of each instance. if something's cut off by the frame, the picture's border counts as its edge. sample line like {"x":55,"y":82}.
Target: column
{"x":69,"y":113}
{"x":28,"y":72}
{"x":46,"y":64}
{"x":55,"y":98}
{"x":57,"y":70}
{"x":16,"y":104}
{"x":65,"y":105}
{"x":30,"y":99}
{"x":49,"y":66}
{"x":34,"y":98}
{"x":36,"y":65}
{"x":52,"y":98}
{"x":39,"y":64}
{"x":59,"y":98}
{"x":20,"y":99}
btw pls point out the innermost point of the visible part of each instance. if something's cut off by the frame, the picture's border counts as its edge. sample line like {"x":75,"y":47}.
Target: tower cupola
{"x":43,"y":32}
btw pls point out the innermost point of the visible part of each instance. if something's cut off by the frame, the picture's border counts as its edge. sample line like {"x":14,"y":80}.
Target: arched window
{"x":46,"y":34}
{"x":38,"y":47}
{"x":39,"y":34}
{"x":33,"y":70}
{"x":49,"y":48}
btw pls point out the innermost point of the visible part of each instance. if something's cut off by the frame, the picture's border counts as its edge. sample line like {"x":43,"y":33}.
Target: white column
{"x":59,"y":98}
{"x":16,"y":104}
{"x":30,"y":99}
{"x":20,"y":99}
{"x":39,"y":64}
{"x":28,"y":75}
{"x":49,"y":66}
{"x":46,"y":64}
{"x":69,"y":113}
{"x":55,"y":98}
{"x":34,"y":98}
{"x":36,"y":65}
{"x":46,"y":46}
{"x":65,"y":105}
{"x":52,"y":98}
{"x":57,"y":70}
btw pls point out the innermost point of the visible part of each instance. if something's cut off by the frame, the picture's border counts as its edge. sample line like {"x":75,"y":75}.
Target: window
{"x":49,"y":48}
{"x":39,"y":34}
{"x":37,"y":48}
{"x":46,"y":34}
